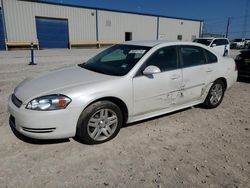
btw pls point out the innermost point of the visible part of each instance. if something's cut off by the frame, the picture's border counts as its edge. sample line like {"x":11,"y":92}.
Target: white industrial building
{"x":51,"y":25}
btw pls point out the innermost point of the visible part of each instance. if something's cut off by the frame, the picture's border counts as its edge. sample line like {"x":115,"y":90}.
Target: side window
{"x":211,"y":58}
{"x":192,"y":56}
{"x":165,"y":59}
{"x":225,"y":42}
{"x":216,"y":42}
{"x":220,"y":42}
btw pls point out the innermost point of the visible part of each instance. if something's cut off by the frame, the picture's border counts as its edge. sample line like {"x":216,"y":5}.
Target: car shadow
{"x":36,"y":141}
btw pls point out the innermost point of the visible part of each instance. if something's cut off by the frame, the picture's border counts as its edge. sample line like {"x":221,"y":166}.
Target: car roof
{"x":149,"y":43}
{"x":152,"y":43}
{"x":211,"y":38}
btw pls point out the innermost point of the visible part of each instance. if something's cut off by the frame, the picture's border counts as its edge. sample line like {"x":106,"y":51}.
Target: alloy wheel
{"x":102,"y":124}
{"x":216,"y":94}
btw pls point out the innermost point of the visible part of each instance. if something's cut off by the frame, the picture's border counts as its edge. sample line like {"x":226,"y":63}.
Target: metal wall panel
{"x":113,"y":25}
{"x":2,"y":38}
{"x":20,"y":23}
{"x":169,"y":29}
{"x":21,"y":26}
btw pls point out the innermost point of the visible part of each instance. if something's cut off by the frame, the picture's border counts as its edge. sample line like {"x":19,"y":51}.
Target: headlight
{"x":49,"y":102}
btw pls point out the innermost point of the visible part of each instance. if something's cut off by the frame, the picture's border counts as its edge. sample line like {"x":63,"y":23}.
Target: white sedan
{"x":125,"y":83}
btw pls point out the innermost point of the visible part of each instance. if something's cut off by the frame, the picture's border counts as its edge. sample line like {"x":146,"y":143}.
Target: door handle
{"x":174,"y":77}
{"x":209,"y":70}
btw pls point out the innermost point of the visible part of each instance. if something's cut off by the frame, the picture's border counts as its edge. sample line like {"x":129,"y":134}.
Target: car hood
{"x":53,"y":81}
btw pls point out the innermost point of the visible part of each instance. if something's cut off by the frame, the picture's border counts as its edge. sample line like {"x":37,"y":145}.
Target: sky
{"x":214,"y":12}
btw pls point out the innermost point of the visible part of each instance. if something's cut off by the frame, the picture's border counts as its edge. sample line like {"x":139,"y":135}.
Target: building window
{"x":128,"y":36}
{"x":179,"y":37}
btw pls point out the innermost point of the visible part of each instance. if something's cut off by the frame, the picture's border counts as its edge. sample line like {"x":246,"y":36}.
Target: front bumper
{"x":54,"y":124}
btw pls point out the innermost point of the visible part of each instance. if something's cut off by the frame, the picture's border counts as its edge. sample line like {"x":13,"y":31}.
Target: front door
{"x":160,"y":90}
{"x":221,"y":46}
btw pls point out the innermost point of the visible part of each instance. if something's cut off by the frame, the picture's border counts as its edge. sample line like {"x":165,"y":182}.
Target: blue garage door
{"x":52,"y":33}
{"x":2,"y":40}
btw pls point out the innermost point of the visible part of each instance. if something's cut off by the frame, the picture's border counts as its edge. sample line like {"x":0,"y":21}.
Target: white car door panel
{"x":221,"y":46}
{"x":160,"y":91}
{"x":219,"y":49}
{"x":195,"y":81}
{"x":196,"y":73}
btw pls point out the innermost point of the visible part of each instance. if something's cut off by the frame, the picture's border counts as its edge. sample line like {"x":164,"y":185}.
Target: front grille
{"x":16,"y":101}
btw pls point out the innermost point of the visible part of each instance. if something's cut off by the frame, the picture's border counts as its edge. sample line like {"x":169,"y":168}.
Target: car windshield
{"x":237,"y":40}
{"x":117,"y":60}
{"x":206,"y":42}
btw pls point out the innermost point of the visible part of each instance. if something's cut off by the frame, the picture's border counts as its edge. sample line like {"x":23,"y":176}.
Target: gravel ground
{"x":191,"y":148}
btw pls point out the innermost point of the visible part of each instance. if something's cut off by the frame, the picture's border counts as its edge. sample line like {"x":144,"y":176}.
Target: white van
{"x":219,"y":45}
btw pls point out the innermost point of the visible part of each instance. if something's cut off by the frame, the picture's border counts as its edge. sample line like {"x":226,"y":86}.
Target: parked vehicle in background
{"x":219,"y":45}
{"x":125,"y":83}
{"x":247,"y":43}
{"x":237,"y":44}
{"x":243,"y":63}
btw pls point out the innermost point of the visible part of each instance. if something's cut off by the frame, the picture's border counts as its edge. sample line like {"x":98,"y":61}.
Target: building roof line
{"x":111,"y":10}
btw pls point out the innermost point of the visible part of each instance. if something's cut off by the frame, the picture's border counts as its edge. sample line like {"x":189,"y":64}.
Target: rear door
{"x":161,"y":90}
{"x":195,"y":71}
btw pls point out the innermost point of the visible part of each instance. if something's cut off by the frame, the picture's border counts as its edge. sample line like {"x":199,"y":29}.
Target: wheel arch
{"x":119,"y":102}
{"x":224,"y":80}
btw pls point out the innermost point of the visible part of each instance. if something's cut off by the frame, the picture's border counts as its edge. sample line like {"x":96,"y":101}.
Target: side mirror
{"x":213,"y":45}
{"x":151,"y":69}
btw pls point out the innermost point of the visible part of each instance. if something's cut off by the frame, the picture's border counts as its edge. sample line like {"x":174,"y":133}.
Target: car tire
{"x":215,"y":95}
{"x":99,"y":123}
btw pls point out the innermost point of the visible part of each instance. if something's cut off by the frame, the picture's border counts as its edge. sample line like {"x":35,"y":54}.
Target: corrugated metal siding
{"x":20,"y":20}
{"x":20,"y":23}
{"x":169,"y":29}
{"x":113,"y":25}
